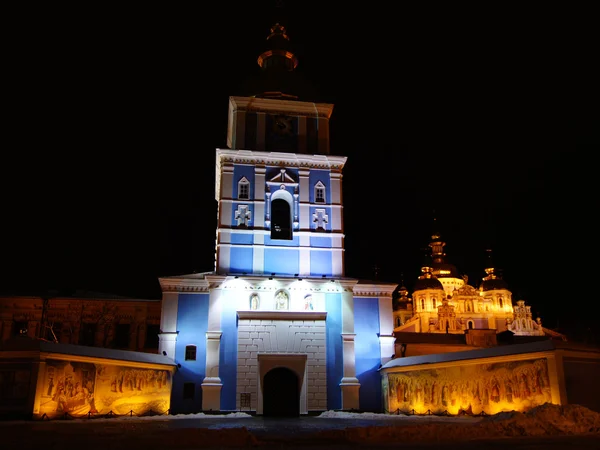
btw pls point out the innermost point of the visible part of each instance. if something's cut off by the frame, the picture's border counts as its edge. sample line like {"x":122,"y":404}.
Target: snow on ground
{"x":542,"y":421}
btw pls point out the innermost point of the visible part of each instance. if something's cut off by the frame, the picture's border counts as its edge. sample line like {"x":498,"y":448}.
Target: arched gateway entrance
{"x":281,"y":393}
{"x":282,"y":385}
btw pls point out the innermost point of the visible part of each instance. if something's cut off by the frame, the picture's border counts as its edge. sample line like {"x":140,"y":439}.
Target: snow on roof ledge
{"x":27,"y":344}
{"x":532,"y":347}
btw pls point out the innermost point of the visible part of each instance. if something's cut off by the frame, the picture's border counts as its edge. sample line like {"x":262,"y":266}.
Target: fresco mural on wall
{"x":491,"y":388}
{"x":85,"y":388}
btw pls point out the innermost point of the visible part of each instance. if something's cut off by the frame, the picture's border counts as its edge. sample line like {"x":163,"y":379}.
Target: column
{"x":211,"y":385}
{"x":167,"y":339}
{"x":386,"y":329}
{"x":349,"y":384}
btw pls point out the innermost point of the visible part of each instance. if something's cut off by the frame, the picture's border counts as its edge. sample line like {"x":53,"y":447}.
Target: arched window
{"x":500,"y":302}
{"x":433,"y":300}
{"x":243,"y":189}
{"x":470,"y":324}
{"x":281,"y":219}
{"x":320,"y":193}
{"x":423,"y":304}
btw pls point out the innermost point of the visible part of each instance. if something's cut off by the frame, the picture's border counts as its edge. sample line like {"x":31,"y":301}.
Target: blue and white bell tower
{"x":279,"y":213}
{"x":277,"y":328}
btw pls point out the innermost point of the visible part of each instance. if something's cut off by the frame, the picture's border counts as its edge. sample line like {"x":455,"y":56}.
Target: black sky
{"x":109,"y":171}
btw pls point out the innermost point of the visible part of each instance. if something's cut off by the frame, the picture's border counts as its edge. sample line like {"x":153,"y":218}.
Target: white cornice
{"x":287,"y":107}
{"x":374,"y":289}
{"x":330,"y":162}
{"x":185,"y":283}
{"x":282,"y":315}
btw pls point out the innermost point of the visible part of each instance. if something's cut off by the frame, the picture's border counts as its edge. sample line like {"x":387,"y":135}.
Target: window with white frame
{"x":244,"y":189}
{"x":320,"y":193}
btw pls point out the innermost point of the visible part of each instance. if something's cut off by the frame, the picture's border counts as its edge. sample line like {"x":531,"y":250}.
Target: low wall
{"x":81,"y":388}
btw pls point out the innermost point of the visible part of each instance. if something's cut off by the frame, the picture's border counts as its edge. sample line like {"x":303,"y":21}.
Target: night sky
{"x":109,"y":177}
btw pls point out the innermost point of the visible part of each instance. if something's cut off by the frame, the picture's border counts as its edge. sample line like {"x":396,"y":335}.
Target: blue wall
{"x":192,"y":324}
{"x":228,"y":356}
{"x":367,"y":352}
{"x":320,"y":241}
{"x":335,"y":362}
{"x":242,"y":238}
{"x":282,"y":261}
{"x":320,"y":263}
{"x":240,"y":259}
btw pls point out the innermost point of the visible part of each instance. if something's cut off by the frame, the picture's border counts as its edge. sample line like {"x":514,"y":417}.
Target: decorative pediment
{"x":467,"y":291}
{"x":282,"y":177}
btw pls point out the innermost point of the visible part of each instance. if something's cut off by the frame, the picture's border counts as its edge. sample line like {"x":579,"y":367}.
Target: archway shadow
{"x":281,"y":394}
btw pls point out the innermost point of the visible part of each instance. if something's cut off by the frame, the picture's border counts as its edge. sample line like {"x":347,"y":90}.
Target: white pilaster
{"x":167,"y":338}
{"x":211,"y":385}
{"x":349,"y":383}
{"x":386,"y":329}
{"x":304,"y":191}
{"x":259,"y":197}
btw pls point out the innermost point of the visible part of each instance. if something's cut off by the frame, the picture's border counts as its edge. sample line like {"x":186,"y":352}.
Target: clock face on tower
{"x":282,"y":130}
{"x":282,"y":125}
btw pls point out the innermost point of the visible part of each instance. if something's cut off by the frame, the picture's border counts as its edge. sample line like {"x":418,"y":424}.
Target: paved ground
{"x":218,"y":433}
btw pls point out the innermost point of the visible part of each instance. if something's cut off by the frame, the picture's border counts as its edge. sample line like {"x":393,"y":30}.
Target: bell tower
{"x":278,"y":189}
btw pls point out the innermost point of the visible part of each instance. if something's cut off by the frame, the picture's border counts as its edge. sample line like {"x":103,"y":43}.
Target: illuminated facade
{"x":45,"y":379}
{"x":276,"y":328}
{"x":491,"y":380}
{"x":84,"y":318}
{"x":443,"y":302}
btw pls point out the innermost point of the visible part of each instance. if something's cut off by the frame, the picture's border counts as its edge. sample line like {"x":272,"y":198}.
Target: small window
{"x":319,"y":193}
{"x":470,"y":325}
{"x":500,"y":301}
{"x":434,"y":303}
{"x":423,"y":304}
{"x":122,"y":335}
{"x":88,"y":334}
{"x":152,"y":332}
{"x":244,"y":189}
{"x":189,"y":390}
{"x":190,"y":353}
{"x":19,"y":327}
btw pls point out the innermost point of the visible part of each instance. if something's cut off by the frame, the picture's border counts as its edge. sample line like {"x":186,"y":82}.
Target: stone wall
{"x":283,"y":337}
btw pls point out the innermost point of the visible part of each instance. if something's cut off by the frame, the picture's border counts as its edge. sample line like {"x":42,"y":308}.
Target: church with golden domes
{"x":278,"y":328}
{"x":444,"y":302}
